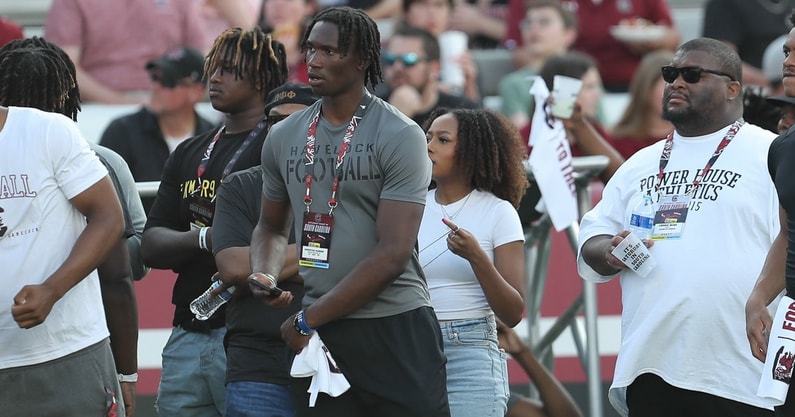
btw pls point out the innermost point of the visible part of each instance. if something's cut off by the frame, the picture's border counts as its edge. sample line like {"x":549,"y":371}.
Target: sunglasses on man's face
{"x":408,"y":60}
{"x":691,"y":75}
{"x":168,"y":82}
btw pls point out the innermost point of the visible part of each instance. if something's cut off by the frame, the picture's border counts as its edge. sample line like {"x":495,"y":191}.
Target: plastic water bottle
{"x":642,"y":221}
{"x":204,"y":306}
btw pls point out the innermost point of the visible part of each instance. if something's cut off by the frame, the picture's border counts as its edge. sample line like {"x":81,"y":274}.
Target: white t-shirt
{"x":686,"y":321}
{"x":44,"y":162}
{"x":455,"y":291}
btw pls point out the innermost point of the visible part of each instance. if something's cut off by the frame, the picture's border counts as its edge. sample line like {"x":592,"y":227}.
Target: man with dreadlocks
{"x":123,"y":264}
{"x":60,"y":211}
{"x":353,"y":171}
{"x":242,"y":67}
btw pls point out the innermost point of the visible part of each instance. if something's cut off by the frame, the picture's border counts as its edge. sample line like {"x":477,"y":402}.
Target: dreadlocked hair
{"x":37,"y":73}
{"x":357,"y":32}
{"x":490,"y":151}
{"x":252,"y":55}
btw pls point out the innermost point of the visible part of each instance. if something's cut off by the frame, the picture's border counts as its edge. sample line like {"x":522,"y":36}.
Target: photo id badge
{"x":669,"y":220}
{"x":201,"y":212}
{"x":316,"y":240}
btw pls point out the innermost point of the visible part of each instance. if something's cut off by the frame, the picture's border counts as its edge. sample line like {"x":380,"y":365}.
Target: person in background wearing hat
{"x":111,"y":41}
{"x":147,"y":137}
{"x":257,"y":360}
{"x":770,"y":107}
{"x":787,"y":115}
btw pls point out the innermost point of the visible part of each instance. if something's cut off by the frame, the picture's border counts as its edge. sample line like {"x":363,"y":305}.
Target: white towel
{"x":315,"y":360}
{"x":780,"y":359}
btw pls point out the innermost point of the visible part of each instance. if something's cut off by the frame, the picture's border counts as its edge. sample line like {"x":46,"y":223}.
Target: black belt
{"x":199,"y":326}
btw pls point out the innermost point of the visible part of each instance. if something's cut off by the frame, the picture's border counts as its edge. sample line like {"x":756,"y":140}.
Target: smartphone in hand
{"x":273,"y":291}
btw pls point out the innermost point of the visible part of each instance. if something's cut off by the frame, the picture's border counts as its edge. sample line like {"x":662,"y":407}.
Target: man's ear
{"x":735,"y":90}
{"x":363,"y":64}
{"x":435,"y":69}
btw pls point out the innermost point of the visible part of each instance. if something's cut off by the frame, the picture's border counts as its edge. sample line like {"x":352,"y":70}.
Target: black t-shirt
{"x":254,"y":347}
{"x":782,"y":171}
{"x":171,"y":207}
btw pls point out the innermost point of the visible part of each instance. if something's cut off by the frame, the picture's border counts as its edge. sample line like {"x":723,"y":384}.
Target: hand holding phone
{"x":273,"y":291}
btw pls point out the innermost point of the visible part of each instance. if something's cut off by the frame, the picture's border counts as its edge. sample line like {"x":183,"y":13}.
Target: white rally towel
{"x":780,"y":358}
{"x":551,"y":163}
{"x":315,"y":360}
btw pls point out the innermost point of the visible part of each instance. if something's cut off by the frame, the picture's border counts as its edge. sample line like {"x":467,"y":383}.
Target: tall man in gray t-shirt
{"x":353,"y":172}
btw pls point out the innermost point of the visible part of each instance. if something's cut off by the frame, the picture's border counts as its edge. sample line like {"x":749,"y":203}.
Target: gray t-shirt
{"x":134,"y":214}
{"x":387,"y":159}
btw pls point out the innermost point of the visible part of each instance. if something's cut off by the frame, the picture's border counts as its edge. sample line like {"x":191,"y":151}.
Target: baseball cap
{"x":290,"y":92}
{"x":781,"y":100}
{"x":179,"y":63}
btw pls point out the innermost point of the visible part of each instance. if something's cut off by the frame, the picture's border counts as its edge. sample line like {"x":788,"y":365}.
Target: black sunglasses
{"x":167,"y":82}
{"x":408,"y":60}
{"x":276,"y":118}
{"x":691,"y":75}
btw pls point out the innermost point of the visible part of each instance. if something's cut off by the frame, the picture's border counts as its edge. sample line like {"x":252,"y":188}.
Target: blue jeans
{"x":194,"y":370}
{"x":258,"y":399}
{"x":477,"y":369}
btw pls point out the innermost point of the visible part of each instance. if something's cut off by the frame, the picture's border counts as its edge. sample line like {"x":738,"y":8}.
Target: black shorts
{"x":650,"y":396}
{"x":788,"y":408}
{"x":395,"y":365}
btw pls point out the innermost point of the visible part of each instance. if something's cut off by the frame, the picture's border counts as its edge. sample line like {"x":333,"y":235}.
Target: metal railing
{"x":148,"y":188}
{"x":537,"y":252}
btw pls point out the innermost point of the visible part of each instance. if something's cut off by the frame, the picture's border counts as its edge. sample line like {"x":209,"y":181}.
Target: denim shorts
{"x":194,"y":370}
{"x":477,"y":369}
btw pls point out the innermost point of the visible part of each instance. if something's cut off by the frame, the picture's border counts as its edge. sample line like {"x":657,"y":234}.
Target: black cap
{"x":781,"y":100}
{"x":179,"y":63}
{"x":297,"y":93}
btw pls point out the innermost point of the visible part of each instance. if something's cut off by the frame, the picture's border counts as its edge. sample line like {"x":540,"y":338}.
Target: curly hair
{"x":357,"y":32}
{"x":37,"y":73}
{"x":252,"y":55}
{"x":490,"y":151}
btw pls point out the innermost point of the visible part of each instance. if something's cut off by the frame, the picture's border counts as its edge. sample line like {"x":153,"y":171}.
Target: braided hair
{"x":252,"y":55}
{"x":37,"y":73}
{"x":490,"y":152}
{"x":357,"y":32}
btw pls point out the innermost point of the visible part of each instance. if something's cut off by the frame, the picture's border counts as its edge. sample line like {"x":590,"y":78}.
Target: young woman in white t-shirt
{"x":471,"y":246}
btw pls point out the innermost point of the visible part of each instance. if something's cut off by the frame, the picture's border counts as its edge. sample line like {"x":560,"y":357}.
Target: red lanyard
{"x":669,"y":144}
{"x":207,"y":154}
{"x":309,"y":153}
{"x":229,"y":165}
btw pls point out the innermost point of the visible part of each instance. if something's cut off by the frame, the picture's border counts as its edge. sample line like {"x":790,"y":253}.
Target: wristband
{"x":203,"y":238}
{"x":269,"y":277}
{"x":300,"y":325}
{"x":128,"y":378}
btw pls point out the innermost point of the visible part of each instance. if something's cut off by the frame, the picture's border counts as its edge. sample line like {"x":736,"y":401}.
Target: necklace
{"x":449,"y":217}
{"x":457,"y":212}
{"x":431,"y":244}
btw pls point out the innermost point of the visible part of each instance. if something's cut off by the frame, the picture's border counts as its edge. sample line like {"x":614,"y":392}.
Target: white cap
{"x":773,"y":59}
